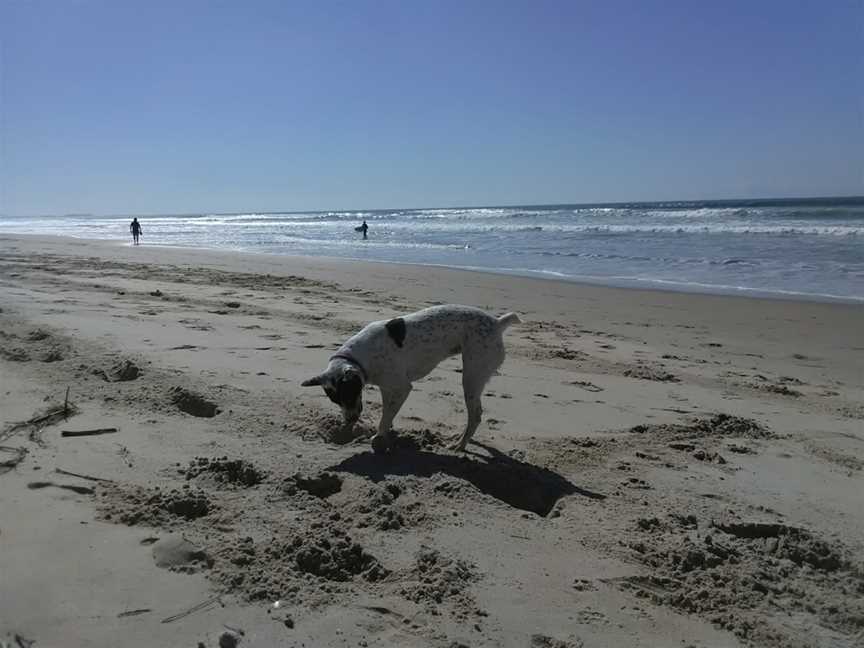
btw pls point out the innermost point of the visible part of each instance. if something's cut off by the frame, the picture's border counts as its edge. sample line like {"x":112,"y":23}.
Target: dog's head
{"x":343,"y":384}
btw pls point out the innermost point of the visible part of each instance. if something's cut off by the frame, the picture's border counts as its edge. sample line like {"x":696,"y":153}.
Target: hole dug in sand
{"x":322,"y":485}
{"x":176,"y":553}
{"x":192,"y":403}
{"x":122,"y":371}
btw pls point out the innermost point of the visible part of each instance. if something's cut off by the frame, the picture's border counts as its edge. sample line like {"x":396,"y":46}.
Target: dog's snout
{"x":352,"y":414}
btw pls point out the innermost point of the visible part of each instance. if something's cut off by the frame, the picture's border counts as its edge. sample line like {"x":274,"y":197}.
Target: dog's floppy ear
{"x":312,"y":382}
{"x":396,"y":330}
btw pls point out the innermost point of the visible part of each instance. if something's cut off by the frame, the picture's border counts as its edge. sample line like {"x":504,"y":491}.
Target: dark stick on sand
{"x":79,"y":433}
{"x":129,"y":613}
{"x":80,"y":476}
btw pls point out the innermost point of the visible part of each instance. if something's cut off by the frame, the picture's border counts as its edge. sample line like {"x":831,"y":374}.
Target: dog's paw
{"x":381,"y":444}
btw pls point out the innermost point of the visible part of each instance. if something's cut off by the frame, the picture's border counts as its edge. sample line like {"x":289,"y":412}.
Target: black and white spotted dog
{"x":394,"y":353}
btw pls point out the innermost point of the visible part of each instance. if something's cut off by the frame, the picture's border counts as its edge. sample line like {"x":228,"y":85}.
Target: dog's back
{"x":436,"y":333}
{"x":461,"y":318}
{"x":425,"y":338}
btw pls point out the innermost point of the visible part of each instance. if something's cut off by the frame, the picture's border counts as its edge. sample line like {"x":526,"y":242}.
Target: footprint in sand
{"x":584,"y":384}
{"x":545,"y":641}
{"x":589,"y":616}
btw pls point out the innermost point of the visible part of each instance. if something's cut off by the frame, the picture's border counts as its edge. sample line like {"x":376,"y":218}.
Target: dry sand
{"x":655,"y":469}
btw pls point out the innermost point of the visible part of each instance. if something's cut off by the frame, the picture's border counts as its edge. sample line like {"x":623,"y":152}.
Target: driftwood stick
{"x":49,"y":418}
{"x":40,"y":419}
{"x":192,"y":610}
{"x":66,"y":403}
{"x":129,"y":613}
{"x":80,"y":476}
{"x":78,"y":433}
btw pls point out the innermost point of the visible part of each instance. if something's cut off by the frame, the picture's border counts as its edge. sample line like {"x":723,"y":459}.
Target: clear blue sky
{"x":145,"y":106}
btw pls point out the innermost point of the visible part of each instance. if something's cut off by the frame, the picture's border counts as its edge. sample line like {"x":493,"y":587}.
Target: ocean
{"x":803,"y":248}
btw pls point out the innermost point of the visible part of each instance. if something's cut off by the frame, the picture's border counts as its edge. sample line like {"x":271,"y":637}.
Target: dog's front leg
{"x":392,"y":399}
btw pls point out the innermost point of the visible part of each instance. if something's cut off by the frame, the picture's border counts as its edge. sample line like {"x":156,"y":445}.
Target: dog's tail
{"x":506,"y":320}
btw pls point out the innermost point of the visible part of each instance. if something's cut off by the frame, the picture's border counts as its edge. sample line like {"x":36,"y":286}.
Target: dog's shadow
{"x":516,"y":483}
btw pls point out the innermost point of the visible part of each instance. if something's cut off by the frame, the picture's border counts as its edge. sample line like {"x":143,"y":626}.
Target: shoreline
{"x":624,"y":284}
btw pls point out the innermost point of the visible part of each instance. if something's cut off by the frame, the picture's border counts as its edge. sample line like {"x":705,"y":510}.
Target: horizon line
{"x":490,"y":206}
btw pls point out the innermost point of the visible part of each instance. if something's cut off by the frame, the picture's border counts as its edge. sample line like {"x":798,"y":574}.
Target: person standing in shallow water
{"x":135,"y":228}
{"x":364,"y":228}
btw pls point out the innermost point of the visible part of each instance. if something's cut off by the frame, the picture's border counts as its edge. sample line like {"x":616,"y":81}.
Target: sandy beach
{"x":654,"y":468}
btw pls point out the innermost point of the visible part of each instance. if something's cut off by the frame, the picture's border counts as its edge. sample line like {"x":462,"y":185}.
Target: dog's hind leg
{"x":476,"y":372}
{"x":392,"y":399}
{"x":475,"y":414}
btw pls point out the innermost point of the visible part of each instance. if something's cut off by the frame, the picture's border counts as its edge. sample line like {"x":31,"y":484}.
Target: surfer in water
{"x":363,"y":228}
{"x":135,"y":228}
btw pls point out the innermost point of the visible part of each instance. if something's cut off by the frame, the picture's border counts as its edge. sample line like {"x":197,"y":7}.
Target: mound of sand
{"x":286,"y":563}
{"x":719,"y":425}
{"x":154,"y":506}
{"x":439,"y":580}
{"x":739,"y":573}
{"x":315,"y":425}
{"x":649,"y":372}
{"x":224,"y":471}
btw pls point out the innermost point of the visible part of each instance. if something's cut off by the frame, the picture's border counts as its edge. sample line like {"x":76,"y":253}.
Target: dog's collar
{"x":352,"y":360}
